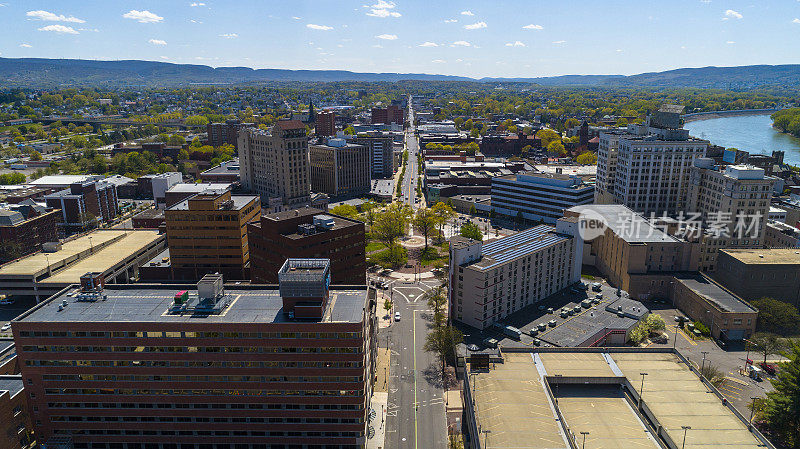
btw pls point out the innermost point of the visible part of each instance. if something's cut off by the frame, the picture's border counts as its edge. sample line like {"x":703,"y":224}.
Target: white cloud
{"x":196,"y":4}
{"x":428,"y":44}
{"x":439,"y":61}
{"x":559,"y":42}
{"x":475,"y":26}
{"x":731,"y":14}
{"x":461,"y":44}
{"x":157,"y":42}
{"x":377,"y":46}
{"x":533,"y":27}
{"x":730,"y":42}
{"x":51,"y":17}
{"x":164,"y":57}
{"x":515,"y":44}
{"x":143,"y":16}
{"x":383,"y":13}
{"x":195,"y":21}
{"x":796,"y":20}
{"x":387,"y":37}
{"x":619,"y":50}
{"x":467,"y":13}
{"x":318,"y":27}
{"x":296,"y":18}
{"x":383,"y":5}
{"x":59,"y":29}
{"x":229,"y":36}
{"x":450,"y":20}
{"x":26,"y":46}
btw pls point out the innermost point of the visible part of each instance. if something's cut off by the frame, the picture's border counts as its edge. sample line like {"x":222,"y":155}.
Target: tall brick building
{"x":325,"y":125}
{"x":203,"y":366}
{"x":390,"y":114}
{"x":307,"y":232}
{"x":24,"y":228}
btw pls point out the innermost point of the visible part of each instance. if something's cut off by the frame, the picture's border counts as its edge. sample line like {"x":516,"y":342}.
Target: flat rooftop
{"x":239,"y":202}
{"x":150,"y":303}
{"x":13,"y":384}
{"x":197,"y":188}
{"x":225,"y":168}
{"x":715,"y":294}
{"x":776,"y":256}
{"x":82,"y":255}
{"x":513,"y":405}
{"x":625,"y":223}
{"x":522,"y":243}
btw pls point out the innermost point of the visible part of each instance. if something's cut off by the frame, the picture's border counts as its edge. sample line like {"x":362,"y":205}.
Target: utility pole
{"x":752,"y":411}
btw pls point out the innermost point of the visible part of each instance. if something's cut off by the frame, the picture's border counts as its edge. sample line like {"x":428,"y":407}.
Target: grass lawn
{"x":374,"y":246}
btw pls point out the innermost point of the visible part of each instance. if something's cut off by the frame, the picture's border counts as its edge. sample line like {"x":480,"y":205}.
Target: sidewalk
{"x":379,"y":402}
{"x":409,"y":277}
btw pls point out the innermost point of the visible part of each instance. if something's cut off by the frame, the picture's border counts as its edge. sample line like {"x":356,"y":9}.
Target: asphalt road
{"x":416,"y":408}
{"x":408,"y":183}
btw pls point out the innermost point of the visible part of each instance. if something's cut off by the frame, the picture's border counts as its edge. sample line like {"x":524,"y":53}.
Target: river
{"x":751,"y":133}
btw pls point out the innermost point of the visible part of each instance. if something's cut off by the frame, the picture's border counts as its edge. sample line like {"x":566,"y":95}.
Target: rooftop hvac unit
{"x":227,"y":205}
{"x":210,"y":287}
{"x":306,"y":229}
{"x":324,"y":221}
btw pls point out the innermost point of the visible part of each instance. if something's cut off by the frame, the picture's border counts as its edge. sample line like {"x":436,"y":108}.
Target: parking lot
{"x":10,"y":311}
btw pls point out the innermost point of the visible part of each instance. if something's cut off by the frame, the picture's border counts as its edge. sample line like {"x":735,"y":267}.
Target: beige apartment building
{"x":756,"y":273}
{"x":489,"y":281}
{"x":647,"y":167}
{"x":781,"y":235}
{"x":275,"y":164}
{"x":733,"y":200}
{"x":339,"y":168}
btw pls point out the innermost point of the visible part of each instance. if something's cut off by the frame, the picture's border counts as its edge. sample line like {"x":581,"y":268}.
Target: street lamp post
{"x":641,"y":391}
{"x":685,"y":428}
{"x":752,"y":411}
{"x":485,"y":437}
{"x":675,"y":341}
{"x":703,"y":363}
{"x":583,"y":446}
{"x":747,"y":344}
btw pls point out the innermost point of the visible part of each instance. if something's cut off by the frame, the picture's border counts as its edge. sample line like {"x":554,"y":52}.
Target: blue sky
{"x":471,"y":38}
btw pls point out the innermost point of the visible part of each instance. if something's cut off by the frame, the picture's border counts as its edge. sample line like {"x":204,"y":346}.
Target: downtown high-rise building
{"x":647,"y":168}
{"x":275,"y":164}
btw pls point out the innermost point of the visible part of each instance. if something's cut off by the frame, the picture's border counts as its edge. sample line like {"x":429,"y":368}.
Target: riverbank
{"x":752,"y":133}
{"x":697,"y":116}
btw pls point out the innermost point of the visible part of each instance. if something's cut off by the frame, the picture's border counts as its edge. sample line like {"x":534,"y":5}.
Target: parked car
{"x":6,"y":327}
{"x":397,"y":316}
{"x":769,"y":368}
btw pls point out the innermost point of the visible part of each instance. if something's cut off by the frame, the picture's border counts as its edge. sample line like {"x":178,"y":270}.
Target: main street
{"x":412,"y":144}
{"x":416,"y":408}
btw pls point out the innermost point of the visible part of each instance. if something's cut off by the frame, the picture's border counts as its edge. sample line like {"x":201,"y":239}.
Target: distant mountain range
{"x":40,"y":72}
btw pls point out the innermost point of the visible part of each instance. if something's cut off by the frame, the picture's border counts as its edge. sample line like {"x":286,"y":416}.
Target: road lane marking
{"x":414,"y":326}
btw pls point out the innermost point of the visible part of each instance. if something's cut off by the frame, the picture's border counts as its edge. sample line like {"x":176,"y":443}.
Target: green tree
{"x":387,"y":305}
{"x":196,"y":120}
{"x":548,"y":136}
{"x":390,"y":224}
{"x":176,"y":140}
{"x":471,"y":231}
{"x":782,"y":408}
{"x":425,"y":223}
{"x":350,"y":130}
{"x":587,"y":158}
{"x":12,"y":178}
{"x":654,"y":323}
{"x":767,"y":344}
{"x":443,"y":213}
{"x":557,"y":147}
{"x":776,"y":316}
{"x":36,"y":156}
{"x":437,"y":301}
{"x":345,"y":210}
{"x":443,"y":341}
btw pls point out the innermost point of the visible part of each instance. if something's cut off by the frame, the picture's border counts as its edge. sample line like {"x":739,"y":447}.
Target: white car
{"x":397,"y":316}
{"x":6,"y":327}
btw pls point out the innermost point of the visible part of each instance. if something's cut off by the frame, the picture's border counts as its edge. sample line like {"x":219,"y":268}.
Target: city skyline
{"x":508,"y":39}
